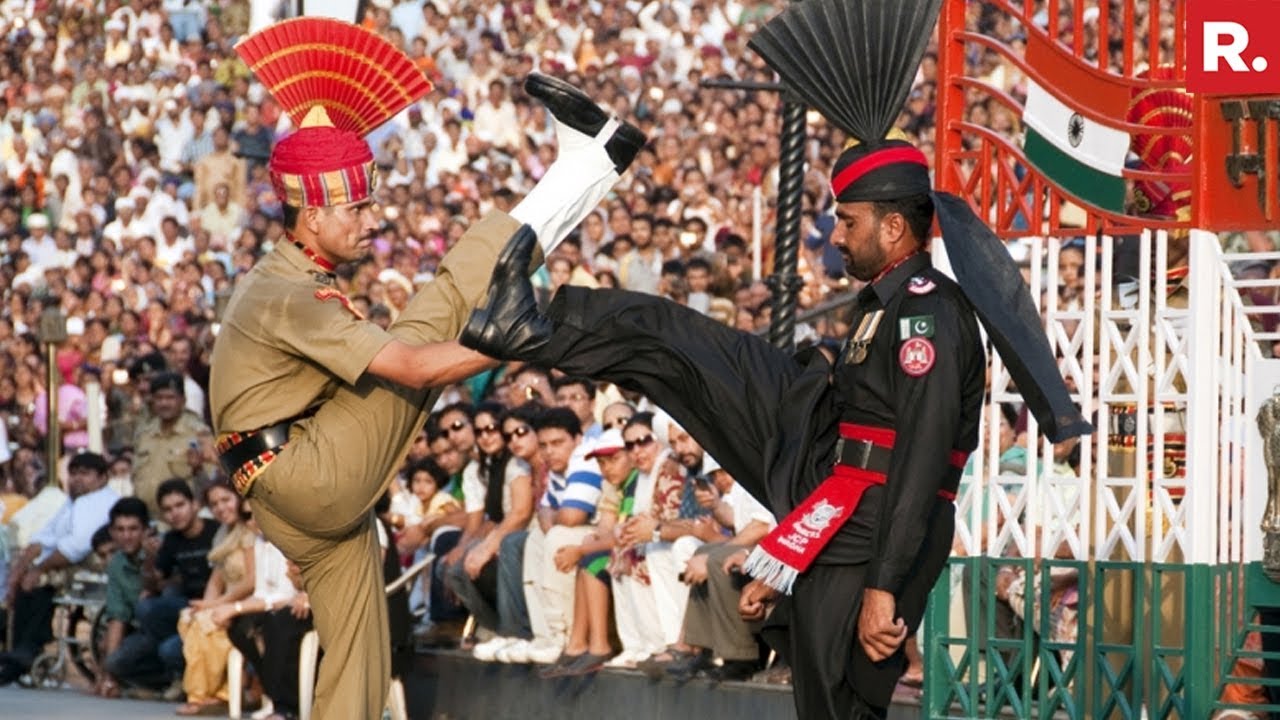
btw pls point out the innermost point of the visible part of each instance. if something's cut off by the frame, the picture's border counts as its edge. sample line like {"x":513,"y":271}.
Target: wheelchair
{"x":79,"y":629}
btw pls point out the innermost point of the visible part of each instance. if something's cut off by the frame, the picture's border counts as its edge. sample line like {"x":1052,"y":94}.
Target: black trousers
{"x":32,"y":624}
{"x":729,"y":389}
{"x":277,"y":661}
{"x":763,"y":415}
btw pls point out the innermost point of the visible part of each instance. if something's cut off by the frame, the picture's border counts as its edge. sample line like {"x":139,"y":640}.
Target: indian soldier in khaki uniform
{"x":316,"y":407}
{"x":163,"y":444}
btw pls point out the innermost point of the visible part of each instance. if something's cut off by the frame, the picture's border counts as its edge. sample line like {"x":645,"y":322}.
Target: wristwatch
{"x":657,"y":533}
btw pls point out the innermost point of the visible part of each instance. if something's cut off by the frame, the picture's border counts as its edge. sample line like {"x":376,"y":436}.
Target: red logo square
{"x":1231,"y":47}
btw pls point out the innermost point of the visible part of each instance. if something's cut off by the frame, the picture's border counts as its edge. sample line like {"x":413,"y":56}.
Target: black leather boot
{"x":509,"y":326}
{"x":572,"y":107}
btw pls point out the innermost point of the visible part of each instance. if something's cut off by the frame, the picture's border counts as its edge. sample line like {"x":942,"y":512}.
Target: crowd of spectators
{"x":133,"y":195}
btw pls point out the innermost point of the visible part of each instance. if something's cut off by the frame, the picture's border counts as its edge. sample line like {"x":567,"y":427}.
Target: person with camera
{"x":712,"y":626}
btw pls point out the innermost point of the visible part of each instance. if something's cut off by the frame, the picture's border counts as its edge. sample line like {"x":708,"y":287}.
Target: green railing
{"x":1132,"y":649}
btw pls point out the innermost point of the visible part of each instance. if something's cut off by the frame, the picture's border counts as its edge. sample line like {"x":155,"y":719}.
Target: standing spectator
{"x":168,"y":445}
{"x":61,"y":543}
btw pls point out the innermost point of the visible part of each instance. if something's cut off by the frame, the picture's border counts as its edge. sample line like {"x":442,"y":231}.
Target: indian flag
{"x":1081,"y":155}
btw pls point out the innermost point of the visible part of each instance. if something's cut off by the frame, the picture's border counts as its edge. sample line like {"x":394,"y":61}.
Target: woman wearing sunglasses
{"x":501,"y":485}
{"x":639,"y":596}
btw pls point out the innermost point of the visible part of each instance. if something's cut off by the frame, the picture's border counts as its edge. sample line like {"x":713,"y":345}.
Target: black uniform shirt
{"x":930,"y":395}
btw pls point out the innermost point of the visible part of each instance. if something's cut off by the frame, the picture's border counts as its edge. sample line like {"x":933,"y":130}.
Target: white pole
{"x":1202,"y":387}
{"x":94,"y":401}
{"x":757,"y":230}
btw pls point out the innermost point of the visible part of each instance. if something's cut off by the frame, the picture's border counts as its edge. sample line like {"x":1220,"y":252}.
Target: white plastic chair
{"x":307,"y":656}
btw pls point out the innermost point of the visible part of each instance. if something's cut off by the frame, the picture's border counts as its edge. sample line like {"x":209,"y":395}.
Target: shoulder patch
{"x":915,"y":326}
{"x":920,"y":285}
{"x":917,"y":356}
{"x":330,"y":293}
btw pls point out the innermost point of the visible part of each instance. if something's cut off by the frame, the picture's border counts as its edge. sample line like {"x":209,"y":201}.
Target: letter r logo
{"x":1220,"y":57}
{"x":1214,"y":49}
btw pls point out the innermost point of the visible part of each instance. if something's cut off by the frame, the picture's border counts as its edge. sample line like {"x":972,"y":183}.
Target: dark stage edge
{"x":451,"y":685}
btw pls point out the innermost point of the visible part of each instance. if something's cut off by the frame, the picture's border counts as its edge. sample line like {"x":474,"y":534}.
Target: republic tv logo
{"x":1231,"y":47}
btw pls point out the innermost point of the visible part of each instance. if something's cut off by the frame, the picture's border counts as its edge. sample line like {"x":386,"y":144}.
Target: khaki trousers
{"x":314,"y":501}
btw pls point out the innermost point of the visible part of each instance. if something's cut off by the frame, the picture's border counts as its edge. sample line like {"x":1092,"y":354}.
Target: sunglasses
{"x":518,"y":432}
{"x":638,"y":442}
{"x":488,"y":430}
{"x":455,"y":427}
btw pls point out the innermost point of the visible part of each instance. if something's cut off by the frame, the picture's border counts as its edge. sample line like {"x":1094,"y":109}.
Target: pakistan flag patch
{"x":915,"y":326}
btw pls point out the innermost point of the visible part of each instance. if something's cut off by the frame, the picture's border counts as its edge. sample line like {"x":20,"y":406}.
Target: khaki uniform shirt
{"x":160,"y":453}
{"x":288,"y":338}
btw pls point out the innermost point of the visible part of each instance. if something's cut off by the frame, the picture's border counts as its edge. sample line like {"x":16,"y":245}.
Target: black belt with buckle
{"x":875,"y":458}
{"x":863,"y":454}
{"x":268,"y":439}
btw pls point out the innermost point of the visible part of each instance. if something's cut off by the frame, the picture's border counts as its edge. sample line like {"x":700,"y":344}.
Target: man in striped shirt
{"x":566,"y":514}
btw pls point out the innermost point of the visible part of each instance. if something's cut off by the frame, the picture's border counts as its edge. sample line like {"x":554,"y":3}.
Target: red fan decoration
{"x":1165,"y":108}
{"x":360,"y":78}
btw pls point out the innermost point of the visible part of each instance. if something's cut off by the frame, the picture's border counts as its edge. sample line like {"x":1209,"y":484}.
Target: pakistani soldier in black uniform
{"x":863,"y":459}
{"x":860,"y":460}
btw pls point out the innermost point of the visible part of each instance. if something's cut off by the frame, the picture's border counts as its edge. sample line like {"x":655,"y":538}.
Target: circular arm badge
{"x":917,"y":356}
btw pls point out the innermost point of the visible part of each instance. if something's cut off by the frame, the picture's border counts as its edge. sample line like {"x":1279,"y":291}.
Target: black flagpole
{"x":784,"y":282}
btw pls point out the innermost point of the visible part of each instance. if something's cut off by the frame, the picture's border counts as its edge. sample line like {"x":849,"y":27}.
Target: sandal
{"x":655,"y":666}
{"x":207,"y":708}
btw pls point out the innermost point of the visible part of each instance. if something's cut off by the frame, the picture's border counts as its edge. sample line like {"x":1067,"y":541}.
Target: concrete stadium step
{"x":450,"y":685}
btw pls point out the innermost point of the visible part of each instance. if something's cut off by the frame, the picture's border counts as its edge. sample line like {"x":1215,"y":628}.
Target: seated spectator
{"x":589,"y":648}
{"x":616,"y":415}
{"x":669,"y":542}
{"x":180,"y":572}
{"x":565,"y":516}
{"x":513,"y":607}
{"x":454,"y":437}
{"x":61,"y":543}
{"x":280,"y":615}
{"x":442,"y":535}
{"x":507,"y":498}
{"x":231,"y":562}
{"x":579,"y":395}
{"x":712,"y":625}
{"x":131,"y":657}
{"x":643,"y":628}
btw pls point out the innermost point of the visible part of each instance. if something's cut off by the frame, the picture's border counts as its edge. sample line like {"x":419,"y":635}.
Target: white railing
{"x":1164,"y":367}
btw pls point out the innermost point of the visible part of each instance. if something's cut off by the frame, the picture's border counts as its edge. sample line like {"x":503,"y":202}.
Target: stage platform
{"x":451,"y":685}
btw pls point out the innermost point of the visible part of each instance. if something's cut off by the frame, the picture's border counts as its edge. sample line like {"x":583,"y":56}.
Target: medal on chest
{"x":860,"y":341}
